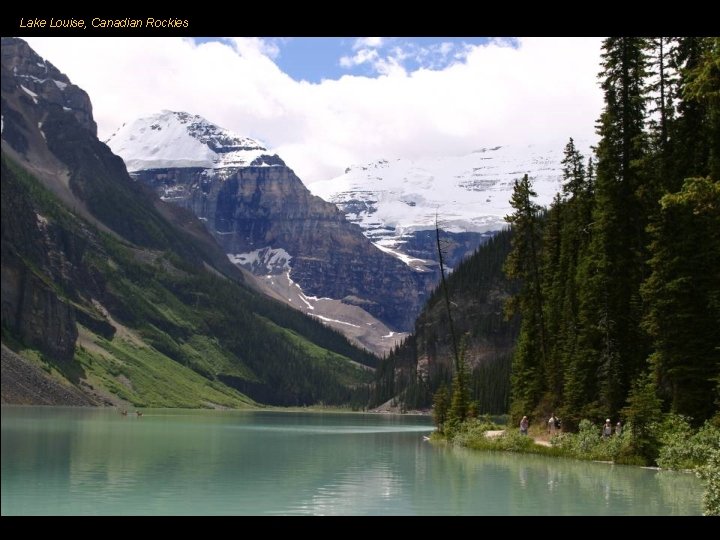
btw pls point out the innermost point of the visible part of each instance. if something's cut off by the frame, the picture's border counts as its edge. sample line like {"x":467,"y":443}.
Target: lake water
{"x":95,"y":461}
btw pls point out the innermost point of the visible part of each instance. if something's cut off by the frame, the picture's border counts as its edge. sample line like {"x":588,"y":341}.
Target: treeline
{"x":203,"y":320}
{"x":415,"y":370}
{"x":269,"y":351}
{"x":619,"y":283}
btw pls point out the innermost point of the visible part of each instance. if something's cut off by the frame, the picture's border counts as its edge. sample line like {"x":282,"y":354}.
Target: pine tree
{"x":683,"y":296}
{"x":610,"y":342}
{"x":694,"y":131}
{"x":664,"y":87}
{"x":577,"y":216}
{"x":702,"y":92}
{"x":642,"y":411}
{"x":555,"y":275}
{"x":460,"y":400}
{"x":523,"y":264}
{"x":440,"y":407}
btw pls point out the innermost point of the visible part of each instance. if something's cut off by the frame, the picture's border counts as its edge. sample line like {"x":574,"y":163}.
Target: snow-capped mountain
{"x":295,"y":246}
{"x":173,"y":139}
{"x":393,"y":200}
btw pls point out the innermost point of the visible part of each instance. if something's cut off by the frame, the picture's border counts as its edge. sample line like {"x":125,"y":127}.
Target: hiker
{"x":552,"y":424}
{"x":618,"y":429}
{"x":524,"y":425}
{"x":607,"y":429}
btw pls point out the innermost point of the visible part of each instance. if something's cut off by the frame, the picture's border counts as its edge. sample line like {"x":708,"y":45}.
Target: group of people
{"x":607,"y":429}
{"x":554,"y":425}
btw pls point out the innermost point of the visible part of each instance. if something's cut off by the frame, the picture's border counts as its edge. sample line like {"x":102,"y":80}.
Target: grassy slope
{"x":180,"y":327}
{"x":145,"y":377}
{"x":348,"y":373}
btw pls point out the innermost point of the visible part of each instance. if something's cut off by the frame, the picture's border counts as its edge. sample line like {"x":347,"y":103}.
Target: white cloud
{"x":544,"y":90}
{"x":244,"y":45}
{"x":363,"y":56}
{"x":365,"y":42}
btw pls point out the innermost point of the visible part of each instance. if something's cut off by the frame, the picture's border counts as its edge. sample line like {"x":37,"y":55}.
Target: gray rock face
{"x":254,"y":207}
{"x":40,"y":77}
{"x":40,"y":313}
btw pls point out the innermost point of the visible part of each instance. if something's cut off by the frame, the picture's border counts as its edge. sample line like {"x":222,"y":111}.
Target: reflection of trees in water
{"x":269,"y":465}
{"x":678,"y":488}
{"x":217,"y":463}
{"x":531,"y":484}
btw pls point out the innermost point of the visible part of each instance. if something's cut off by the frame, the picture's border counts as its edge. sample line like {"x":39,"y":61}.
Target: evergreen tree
{"x":683,"y":297}
{"x":702,"y":91}
{"x":610,"y":342}
{"x":695,"y":131}
{"x":555,"y":275}
{"x":641,"y":413}
{"x":523,"y":264}
{"x":575,"y":234}
{"x":440,"y":407}
{"x":460,"y":401}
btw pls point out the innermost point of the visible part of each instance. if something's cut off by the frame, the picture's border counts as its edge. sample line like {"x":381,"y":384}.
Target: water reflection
{"x":562,"y":486}
{"x":70,"y":461}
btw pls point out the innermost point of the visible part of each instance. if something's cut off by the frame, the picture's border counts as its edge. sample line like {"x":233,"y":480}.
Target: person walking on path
{"x":618,"y":429}
{"x":607,"y":429}
{"x":524,"y":425}
{"x":552,"y":424}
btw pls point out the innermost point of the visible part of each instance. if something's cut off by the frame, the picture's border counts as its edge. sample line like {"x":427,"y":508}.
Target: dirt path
{"x":496,"y":433}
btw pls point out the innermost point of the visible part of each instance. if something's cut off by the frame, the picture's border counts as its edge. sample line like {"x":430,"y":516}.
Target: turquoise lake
{"x":73,"y":461}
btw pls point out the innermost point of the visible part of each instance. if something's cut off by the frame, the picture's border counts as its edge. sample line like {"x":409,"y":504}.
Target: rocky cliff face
{"x":39,"y":78}
{"x":31,"y":308}
{"x":121,"y":297}
{"x":250,"y":200}
{"x":39,"y":311}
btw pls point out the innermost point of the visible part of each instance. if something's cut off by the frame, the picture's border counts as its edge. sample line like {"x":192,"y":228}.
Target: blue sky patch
{"x":313,"y":59}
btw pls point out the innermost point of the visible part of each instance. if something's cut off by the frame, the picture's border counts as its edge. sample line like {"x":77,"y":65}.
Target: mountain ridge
{"x":127,"y":299}
{"x":255,"y":204}
{"x":397,"y":201}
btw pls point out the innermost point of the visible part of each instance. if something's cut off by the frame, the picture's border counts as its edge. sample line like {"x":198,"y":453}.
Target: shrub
{"x":587,"y":443}
{"x":711,"y":474}
{"x":683,"y":449}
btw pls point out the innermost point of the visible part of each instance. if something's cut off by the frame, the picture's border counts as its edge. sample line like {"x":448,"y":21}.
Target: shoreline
{"x":258,"y":408}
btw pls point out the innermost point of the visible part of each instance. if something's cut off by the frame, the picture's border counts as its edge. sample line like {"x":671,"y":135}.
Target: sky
{"x":324,"y":104}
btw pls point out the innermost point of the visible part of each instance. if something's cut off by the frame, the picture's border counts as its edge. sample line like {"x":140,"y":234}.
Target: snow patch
{"x":265,"y":261}
{"x":179,"y":140}
{"x":30,"y":93}
{"x":41,"y":220}
{"x":60,"y":85}
{"x":305,"y":299}
{"x":413,"y":262}
{"x":328,"y":319}
{"x":33,"y":78}
{"x":468,"y":193}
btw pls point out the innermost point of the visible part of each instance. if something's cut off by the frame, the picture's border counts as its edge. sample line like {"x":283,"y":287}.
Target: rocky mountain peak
{"x":170,"y":139}
{"x":44,"y":83}
{"x":396,"y":202}
{"x":299,"y":248}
